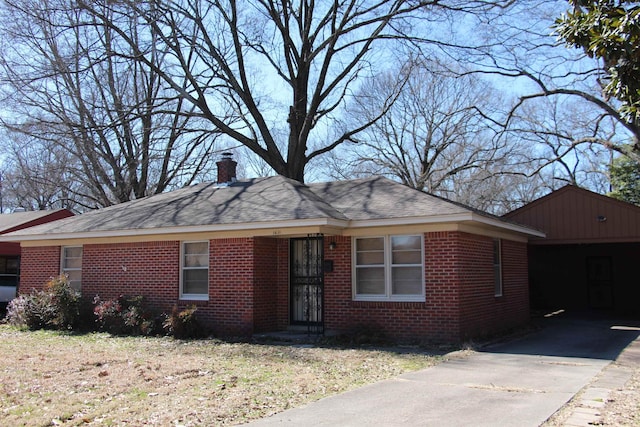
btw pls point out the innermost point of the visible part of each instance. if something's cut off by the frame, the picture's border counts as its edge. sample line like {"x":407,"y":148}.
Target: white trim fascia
{"x":415,"y":220}
{"x":331,"y":222}
{"x":507,"y":225}
{"x":443,"y":219}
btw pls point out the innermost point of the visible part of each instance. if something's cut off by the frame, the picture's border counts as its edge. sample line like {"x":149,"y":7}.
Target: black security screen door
{"x":307,"y":283}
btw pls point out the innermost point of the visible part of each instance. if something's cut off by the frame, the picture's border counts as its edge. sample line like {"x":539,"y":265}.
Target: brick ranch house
{"x":271,"y":254}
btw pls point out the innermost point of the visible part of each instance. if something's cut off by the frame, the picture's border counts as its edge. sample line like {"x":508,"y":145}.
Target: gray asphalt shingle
{"x":260,"y":200}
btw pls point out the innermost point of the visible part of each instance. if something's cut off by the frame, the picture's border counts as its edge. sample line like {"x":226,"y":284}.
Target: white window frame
{"x":388,"y":271}
{"x":496,"y":262}
{"x":196,"y":297}
{"x":77,"y":285}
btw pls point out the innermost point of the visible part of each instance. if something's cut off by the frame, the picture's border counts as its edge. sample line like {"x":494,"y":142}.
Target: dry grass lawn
{"x":50,"y":378}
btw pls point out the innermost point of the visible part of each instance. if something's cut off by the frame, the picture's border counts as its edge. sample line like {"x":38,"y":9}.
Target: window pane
{"x":370,"y":281}
{"x":12,"y":265}
{"x":406,"y":242}
{"x":370,"y":258}
{"x":196,"y":260}
{"x":406,"y":250}
{"x":196,"y":254}
{"x":195,"y":281}
{"x":75,"y":279}
{"x":496,"y":252}
{"x":370,"y":244}
{"x":196,"y":248}
{"x":72,"y":257}
{"x":407,"y":257}
{"x":73,"y":252}
{"x":407,"y":281}
{"x":73,"y":263}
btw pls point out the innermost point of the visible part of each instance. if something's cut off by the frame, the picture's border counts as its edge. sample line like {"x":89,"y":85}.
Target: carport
{"x":588,"y":259}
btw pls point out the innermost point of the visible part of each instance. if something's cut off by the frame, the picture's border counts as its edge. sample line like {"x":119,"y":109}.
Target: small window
{"x":195,"y":271}
{"x":389,"y":268}
{"x":71,"y":265}
{"x":497,"y":267}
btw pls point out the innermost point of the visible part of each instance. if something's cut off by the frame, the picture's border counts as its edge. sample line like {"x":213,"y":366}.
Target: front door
{"x":307,"y":283}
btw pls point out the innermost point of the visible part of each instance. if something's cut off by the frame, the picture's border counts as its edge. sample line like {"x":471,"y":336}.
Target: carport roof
{"x":573,"y":215}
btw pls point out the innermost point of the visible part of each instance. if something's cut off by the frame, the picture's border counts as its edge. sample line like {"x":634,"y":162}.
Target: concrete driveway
{"x":518,"y":383}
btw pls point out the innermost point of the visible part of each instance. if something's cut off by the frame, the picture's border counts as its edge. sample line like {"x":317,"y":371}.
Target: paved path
{"x":519,"y":383}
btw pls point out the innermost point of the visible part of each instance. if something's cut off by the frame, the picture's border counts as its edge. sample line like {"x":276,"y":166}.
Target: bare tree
{"x":566,"y":139}
{"x":37,"y":177}
{"x":249,"y":67}
{"x":126,"y":131}
{"x":527,"y":55}
{"x":433,"y":138}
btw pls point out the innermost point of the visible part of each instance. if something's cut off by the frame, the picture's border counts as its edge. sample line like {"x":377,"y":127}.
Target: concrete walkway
{"x":519,"y":383}
{"x":594,"y":396}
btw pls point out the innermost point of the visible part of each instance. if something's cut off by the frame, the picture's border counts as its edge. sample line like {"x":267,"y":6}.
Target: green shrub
{"x":183,"y":323}
{"x":57,"y":306}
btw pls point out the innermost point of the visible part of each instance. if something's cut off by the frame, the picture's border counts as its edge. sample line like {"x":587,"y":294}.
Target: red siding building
{"x":10,"y":251}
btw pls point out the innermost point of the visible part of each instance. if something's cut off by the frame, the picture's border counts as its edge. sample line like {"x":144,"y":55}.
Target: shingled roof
{"x":262,"y":203}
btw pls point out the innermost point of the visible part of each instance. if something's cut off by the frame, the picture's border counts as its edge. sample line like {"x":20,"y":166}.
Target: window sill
{"x":194,"y":297}
{"x":393,"y":299}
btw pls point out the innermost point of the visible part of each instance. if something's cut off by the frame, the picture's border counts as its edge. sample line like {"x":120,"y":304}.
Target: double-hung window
{"x":389,"y":268}
{"x":497,"y":267}
{"x":71,"y":265}
{"x":194,"y":276}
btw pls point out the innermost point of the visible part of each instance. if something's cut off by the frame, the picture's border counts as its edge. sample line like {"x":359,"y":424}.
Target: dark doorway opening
{"x":307,"y":283}
{"x":600,"y":282}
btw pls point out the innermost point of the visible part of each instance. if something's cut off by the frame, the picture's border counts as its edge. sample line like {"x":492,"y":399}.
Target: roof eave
{"x":451,"y":218}
{"x":282,"y":225}
{"x":494,"y":222}
{"x":279,"y":225}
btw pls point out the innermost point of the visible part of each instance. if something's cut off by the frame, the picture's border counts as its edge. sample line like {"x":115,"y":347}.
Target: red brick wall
{"x":442,"y":276}
{"x":433,"y":320}
{"x":230,"y":307}
{"x":459,"y":303}
{"x":249,"y":285}
{"x":515,"y":277}
{"x":282,"y":306}
{"x":265,"y":292}
{"x":38,"y":265}
{"x":338,"y":313}
{"x":150,"y":269}
{"x":482,"y":313}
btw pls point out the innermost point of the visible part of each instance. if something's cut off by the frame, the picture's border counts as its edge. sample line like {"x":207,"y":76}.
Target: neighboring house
{"x":270,"y":254}
{"x":589,"y":257}
{"x":10,"y":251}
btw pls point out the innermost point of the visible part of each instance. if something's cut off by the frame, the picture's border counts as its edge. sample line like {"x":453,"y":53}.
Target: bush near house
{"x":58,"y":306}
{"x":124,"y":316}
{"x":183,"y":323}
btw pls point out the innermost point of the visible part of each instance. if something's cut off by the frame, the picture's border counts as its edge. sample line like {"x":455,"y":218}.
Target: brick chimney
{"x":226,"y":169}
